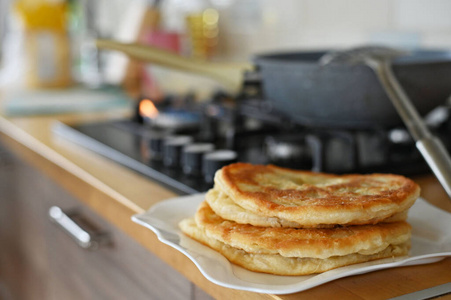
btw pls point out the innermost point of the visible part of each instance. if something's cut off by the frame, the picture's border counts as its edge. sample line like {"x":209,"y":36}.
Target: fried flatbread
{"x":280,"y":265}
{"x":311,"y":199}
{"x":227,"y":209}
{"x":313,"y":243}
{"x":223,"y":206}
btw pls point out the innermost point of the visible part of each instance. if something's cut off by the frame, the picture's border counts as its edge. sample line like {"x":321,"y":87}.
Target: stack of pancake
{"x":289,"y":222}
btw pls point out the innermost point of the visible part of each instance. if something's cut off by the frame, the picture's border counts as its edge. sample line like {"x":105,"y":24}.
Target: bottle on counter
{"x":47,"y":44}
{"x":202,"y":31}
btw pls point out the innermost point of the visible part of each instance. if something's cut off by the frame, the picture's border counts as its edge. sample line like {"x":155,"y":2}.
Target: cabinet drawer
{"x":122,"y":269}
{"x":39,"y":260}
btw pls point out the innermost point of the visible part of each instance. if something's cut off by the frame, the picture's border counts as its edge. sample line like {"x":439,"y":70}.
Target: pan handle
{"x":230,"y":75}
{"x":438,"y":160}
{"x":432,"y":149}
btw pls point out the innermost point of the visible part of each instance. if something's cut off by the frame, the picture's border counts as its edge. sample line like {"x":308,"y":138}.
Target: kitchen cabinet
{"x":23,"y":258}
{"x":39,"y":260}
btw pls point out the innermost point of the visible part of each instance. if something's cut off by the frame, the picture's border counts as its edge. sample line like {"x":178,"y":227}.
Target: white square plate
{"x":430,"y":243}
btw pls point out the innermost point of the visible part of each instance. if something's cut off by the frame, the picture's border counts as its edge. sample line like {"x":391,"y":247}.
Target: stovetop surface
{"x":258,"y":134}
{"x":114,"y":141}
{"x":122,"y":141}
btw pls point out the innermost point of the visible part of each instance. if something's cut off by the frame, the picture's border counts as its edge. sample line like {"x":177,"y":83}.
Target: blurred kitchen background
{"x":50,"y":43}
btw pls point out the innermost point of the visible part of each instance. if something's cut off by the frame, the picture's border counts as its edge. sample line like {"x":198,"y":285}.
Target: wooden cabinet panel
{"x":121,"y":270}
{"x":23,"y":255}
{"x":38,"y":260}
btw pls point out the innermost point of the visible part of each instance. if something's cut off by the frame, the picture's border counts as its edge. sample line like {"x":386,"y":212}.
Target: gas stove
{"x":182,"y":146}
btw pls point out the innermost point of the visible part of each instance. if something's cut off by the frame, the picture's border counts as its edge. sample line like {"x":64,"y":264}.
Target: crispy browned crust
{"x":291,"y":242}
{"x":280,"y":265}
{"x":310,"y":198}
{"x":227,"y":209}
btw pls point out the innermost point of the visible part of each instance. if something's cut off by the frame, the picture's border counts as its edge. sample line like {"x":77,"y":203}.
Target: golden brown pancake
{"x":313,"y":199}
{"x":227,"y":209}
{"x":280,"y":265}
{"x":223,"y":206}
{"x":287,"y":222}
{"x":313,"y":243}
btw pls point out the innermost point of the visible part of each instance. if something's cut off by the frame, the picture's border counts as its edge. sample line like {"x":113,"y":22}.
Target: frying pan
{"x":339,"y":96}
{"x":350,"y":96}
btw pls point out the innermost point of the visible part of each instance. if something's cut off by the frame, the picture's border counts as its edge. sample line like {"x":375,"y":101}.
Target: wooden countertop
{"x":117,"y":193}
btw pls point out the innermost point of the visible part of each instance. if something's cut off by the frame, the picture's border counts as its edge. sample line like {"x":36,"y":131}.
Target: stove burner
{"x":286,"y":150}
{"x":168,"y":118}
{"x":248,"y":130}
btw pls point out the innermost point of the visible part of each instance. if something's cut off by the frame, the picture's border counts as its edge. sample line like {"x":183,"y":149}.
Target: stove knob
{"x":155,"y":145}
{"x":192,"y":156}
{"x":215,"y":160}
{"x":172,"y":149}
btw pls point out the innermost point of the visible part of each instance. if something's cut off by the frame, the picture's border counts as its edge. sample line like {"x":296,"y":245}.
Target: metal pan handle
{"x":437,"y":157}
{"x":432,"y":149}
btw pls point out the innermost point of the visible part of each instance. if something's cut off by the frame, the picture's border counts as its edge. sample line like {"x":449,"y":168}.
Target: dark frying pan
{"x":342,"y":96}
{"x":350,"y":96}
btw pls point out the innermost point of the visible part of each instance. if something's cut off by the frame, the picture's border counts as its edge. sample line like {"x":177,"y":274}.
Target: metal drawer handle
{"x":84,"y":237}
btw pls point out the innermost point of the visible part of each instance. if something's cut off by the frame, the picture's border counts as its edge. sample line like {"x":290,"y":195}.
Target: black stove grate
{"x":258,"y":135}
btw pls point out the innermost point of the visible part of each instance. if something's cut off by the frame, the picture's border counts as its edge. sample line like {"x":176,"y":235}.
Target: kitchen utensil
{"x":379,"y":60}
{"x":339,"y":96}
{"x":230,"y":75}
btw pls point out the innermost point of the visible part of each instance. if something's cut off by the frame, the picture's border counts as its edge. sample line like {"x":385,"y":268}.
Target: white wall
{"x":252,"y":26}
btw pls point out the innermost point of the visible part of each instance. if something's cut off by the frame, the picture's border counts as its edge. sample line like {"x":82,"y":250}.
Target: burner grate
{"x":252,"y":130}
